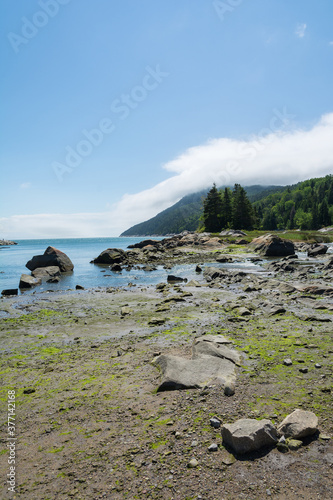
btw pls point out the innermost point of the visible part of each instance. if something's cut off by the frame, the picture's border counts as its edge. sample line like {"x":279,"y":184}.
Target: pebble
{"x":287,"y":362}
{"x":192,"y":463}
{"x":213,"y":447}
{"x":317,"y":365}
{"x":304,"y":370}
{"x":194,"y":444}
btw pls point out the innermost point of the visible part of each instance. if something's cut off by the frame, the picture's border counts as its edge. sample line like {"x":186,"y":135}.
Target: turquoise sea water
{"x":81,"y":251}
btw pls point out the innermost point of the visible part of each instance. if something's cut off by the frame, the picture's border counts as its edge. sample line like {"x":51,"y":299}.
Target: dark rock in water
{"x":175,"y":279}
{"x":10,"y":291}
{"x":145,"y":243}
{"x":149,"y":268}
{"x":224,"y":258}
{"x":317,"y":250}
{"x":116,"y":268}
{"x":198,"y":269}
{"x":79,"y":287}
{"x":27,"y":281}
{"x":51,"y":257}
{"x":271,"y":245}
{"x":46,"y":272}
{"x":53,"y":279}
{"x":212,"y":273}
{"x":246,"y":435}
{"x":329,"y":263}
{"x":111,"y":256}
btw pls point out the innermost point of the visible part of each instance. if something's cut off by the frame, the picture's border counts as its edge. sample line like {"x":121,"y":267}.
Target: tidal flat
{"x":91,"y":424}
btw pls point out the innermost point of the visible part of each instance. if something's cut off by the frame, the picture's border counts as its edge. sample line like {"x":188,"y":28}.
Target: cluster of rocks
{"x":150,"y":252}
{"x":7,"y":243}
{"x":248,"y":435}
{"x":48,"y":266}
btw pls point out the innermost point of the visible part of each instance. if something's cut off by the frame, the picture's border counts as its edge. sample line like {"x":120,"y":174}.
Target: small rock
{"x":156,"y":321}
{"x":29,"y":391}
{"x":294,"y":444}
{"x":215,"y":422}
{"x":79,"y":287}
{"x":227,"y":458}
{"x":324,"y":437}
{"x":317,"y":365}
{"x":192,"y":463}
{"x":287,"y":362}
{"x":304,"y":370}
{"x":213,"y":447}
{"x":194,"y":444}
{"x":282,"y":447}
{"x":229,"y":389}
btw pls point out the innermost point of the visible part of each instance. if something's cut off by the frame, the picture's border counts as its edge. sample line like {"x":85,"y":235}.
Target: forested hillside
{"x":186,"y":213}
{"x":306,"y":205}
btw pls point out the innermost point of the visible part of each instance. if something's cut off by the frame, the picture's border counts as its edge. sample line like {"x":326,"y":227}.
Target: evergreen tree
{"x":242,"y":209}
{"x":226,"y":215}
{"x":212,"y":210}
{"x":324,"y":216}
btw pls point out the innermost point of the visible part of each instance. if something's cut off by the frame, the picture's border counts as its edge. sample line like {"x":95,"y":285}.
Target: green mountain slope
{"x":306,"y":205}
{"x":186,"y":213}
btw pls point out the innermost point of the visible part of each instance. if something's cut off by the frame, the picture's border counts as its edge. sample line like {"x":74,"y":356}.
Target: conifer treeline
{"x":228,"y":209}
{"x":307,"y":205}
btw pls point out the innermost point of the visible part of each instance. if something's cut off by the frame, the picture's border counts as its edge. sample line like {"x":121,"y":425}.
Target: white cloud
{"x":300,"y":30}
{"x":274,"y":156}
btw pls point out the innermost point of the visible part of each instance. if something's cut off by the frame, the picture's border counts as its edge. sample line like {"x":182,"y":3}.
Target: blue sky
{"x":156,"y":99}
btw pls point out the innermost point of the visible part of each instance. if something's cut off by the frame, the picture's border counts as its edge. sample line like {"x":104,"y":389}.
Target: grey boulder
{"x":271,"y":245}
{"x":46,"y":272}
{"x":212,"y":363}
{"x":248,"y":435}
{"x":27,"y":281}
{"x":51,"y":257}
{"x":299,"y":424}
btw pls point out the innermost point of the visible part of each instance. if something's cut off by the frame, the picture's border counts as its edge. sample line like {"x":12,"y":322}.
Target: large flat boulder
{"x":299,"y":424}
{"x":213,"y":363}
{"x":271,"y":245}
{"x":51,"y":257}
{"x":215,"y":346}
{"x":180,"y":373}
{"x":248,"y":435}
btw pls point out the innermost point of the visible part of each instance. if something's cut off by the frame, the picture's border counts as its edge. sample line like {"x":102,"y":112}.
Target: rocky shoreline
{"x":92,"y":423}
